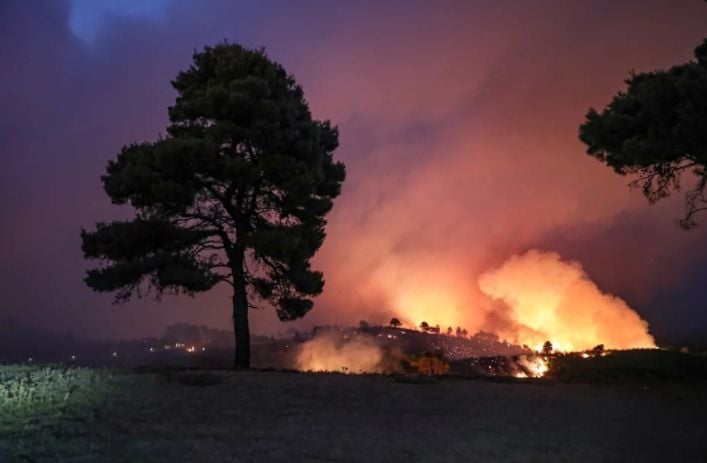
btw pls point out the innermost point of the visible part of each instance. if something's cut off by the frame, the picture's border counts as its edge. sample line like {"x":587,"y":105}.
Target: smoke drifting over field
{"x":545,"y":298}
{"x":328,"y":352}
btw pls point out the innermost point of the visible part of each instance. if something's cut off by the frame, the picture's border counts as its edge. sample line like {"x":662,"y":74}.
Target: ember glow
{"x":545,"y":298}
{"x":532,"y":367}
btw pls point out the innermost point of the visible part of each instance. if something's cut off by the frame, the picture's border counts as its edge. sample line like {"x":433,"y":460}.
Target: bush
{"x":630,"y":365}
{"x":45,"y":390}
{"x":426,"y":364}
{"x":43,"y":409}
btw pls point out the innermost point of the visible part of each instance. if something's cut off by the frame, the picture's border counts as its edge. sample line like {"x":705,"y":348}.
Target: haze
{"x":458,"y":126}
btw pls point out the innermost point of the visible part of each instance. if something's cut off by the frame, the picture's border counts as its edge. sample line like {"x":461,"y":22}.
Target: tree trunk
{"x":240,"y":318}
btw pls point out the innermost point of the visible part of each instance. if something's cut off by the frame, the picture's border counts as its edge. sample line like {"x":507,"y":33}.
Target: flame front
{"x":532,"y":366}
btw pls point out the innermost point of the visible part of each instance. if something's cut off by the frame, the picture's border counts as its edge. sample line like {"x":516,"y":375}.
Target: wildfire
{"x":416,"y":305}
{"x":529,"y":299}
{"x":534,"y":298}
{"x":328,"y":353}
{"x":547,"y":298}
{"x":532,"y":367}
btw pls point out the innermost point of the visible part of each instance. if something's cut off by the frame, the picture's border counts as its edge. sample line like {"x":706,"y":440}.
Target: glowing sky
{"x":458,"y":125}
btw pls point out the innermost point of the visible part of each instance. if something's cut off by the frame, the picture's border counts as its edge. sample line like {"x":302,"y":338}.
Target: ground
{"x":263,"y":416}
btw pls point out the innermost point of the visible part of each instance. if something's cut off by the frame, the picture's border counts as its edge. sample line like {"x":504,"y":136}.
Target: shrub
{"x":426,"y":364}
{"x":45,"y":390}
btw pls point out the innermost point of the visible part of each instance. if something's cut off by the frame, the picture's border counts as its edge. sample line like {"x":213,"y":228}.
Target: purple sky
{"x":458,"y":124}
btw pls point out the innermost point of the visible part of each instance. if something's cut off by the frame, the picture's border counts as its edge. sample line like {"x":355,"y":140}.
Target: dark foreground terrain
{"x":80,"y":415}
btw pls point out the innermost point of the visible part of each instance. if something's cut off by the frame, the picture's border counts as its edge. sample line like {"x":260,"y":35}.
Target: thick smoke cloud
{"x":546,"y":298}
{"x":458,"y":125}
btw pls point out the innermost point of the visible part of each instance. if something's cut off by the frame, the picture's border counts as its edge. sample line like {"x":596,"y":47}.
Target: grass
{"x":630,"y":365}
{"x":43,"y":405}
{"x":30,"y":390}
{"x":58,"y":414}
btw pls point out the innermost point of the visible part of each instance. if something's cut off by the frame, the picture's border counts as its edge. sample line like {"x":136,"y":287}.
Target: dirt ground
{"x":297,"y":417}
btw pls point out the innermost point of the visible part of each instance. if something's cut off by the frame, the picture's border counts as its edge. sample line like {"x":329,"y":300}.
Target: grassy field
{"x":631,"y":366}
{"x":77,"y":415}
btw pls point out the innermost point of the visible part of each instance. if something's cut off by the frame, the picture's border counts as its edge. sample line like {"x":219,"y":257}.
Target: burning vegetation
{"x":329,"y":352}
{"x":541,"y":306}
{"x":379,"y":349}
{"x":544,"y":297}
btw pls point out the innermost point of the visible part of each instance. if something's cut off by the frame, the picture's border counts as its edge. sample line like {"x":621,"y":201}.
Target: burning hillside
{"x":527,"y":300}
{"x":534,"y":298}
{"x":329,"y":352}
{"x":379,"y":349}
{"x":541,"y":297}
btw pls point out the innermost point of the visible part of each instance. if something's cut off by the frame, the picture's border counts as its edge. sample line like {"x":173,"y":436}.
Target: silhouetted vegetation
{"x":630,"y":365}
{"x":427,"y":364}
{"x":656,"y":129}
{"x":547,"y":348}
{"x":237,"y":192}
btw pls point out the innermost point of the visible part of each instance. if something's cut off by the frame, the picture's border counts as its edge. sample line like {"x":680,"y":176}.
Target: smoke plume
{"x":329,"y":352}
{"x":545,"y":298}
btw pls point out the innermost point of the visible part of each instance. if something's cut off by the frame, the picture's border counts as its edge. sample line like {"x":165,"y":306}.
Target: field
{"x":82,"y":415}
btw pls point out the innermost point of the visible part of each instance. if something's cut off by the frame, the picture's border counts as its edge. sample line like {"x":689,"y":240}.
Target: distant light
{"x":115,"y":354}
{"x":151,"y":349}
{"x":29,"y":360}
{"x":203,"y":349}
{"x":73,"y":357}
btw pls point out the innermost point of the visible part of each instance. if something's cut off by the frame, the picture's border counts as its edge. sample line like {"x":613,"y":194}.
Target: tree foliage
{"x":236,"y":192}
{"x":547,"y":348}
{"x":657,"y":130}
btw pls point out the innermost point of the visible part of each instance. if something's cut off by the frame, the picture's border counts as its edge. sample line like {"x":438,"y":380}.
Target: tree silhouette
{"x":449,"y":331}
{"x":598,"y":349}
{"x":236,"y":192}
{"x":656,"y":130}
{"x":395,"y":323}
{"x":547,"y":348}
{"x":363,"y":325}
{"x":424,"y":326}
